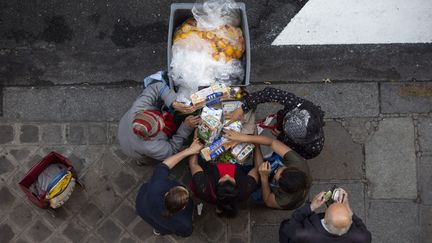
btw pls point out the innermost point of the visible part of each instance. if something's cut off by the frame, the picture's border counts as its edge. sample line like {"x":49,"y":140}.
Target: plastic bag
{"x":215,"y":13}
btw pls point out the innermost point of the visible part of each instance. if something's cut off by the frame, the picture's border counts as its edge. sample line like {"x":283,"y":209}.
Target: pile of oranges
{"x":227,"y":41}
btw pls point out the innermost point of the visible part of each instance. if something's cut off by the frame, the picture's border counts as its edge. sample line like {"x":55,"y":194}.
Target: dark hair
{"x":292,"y":181}
{"x":226,"y":197}
{"x":175,"y":200}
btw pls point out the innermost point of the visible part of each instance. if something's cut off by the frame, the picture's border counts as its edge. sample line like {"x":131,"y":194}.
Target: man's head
{"x":147,"y":124}
{"x":175,"y":200}
{"x":337,"y":219}
{"x":226,"y":195}
{"x":303,"y":123}
{"x":291,"y":180}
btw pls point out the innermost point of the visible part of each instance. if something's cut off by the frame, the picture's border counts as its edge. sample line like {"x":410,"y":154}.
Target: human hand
{"x":236,"y":115}
{"x":196,"y":146}
{"x":192,"y":121}
{"x":264,"y":170}
{"x":318,"y":201}
{"x":235,"y":136}
{"x":186,"y":109}
{"x":343,"y":198}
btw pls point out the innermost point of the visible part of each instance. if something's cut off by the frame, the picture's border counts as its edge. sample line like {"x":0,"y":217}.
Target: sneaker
{"x":155,"y":232}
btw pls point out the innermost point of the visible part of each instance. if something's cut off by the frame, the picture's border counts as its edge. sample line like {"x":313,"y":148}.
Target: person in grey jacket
{"x":145,"y":130}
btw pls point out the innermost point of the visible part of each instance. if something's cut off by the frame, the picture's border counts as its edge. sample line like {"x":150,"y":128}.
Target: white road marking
{"x":322,"y":22}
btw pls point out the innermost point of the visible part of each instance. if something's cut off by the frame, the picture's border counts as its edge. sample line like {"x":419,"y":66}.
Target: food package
{"x":230,"y":106}
{"x":216,"y":148}
{"x":235,"y":126}
{"x":242,"y":151}
{"x":209,"y":129}
{"x":210,"y":96}
{"x":210,"y":111}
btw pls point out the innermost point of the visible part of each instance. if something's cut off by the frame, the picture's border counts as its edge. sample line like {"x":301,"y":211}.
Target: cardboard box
{"x":210,"y":96}
{"x":216,"y":148}
{"x":209,"y":129}
{"x":242,"y":151}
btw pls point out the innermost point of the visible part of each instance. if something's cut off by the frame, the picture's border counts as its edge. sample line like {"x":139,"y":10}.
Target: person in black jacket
{"x":337,"y":224}
{"x":299,"y":124}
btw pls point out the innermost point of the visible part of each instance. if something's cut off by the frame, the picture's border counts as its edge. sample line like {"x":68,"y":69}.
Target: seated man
{"x":223,"y":184}
{"x":299,"y":123}
{"x":146,"y":130}
{"x":337,"y":224}
{"x":285,"y":183}
{"x":164,"y":203}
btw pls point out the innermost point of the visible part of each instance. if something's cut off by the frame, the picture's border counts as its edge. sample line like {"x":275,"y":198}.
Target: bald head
{"x":337,"y":218}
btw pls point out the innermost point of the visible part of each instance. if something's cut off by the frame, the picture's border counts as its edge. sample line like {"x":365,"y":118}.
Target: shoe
{"x":155,"y":232}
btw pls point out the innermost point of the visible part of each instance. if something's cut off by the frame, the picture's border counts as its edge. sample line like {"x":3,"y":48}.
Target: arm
{"x":148,"y":99}
{"x":258,"y":160}
{"x":176,"y":158}
{"x":287,"y":99}
{"x":193,"y":164}
{"x":268,"y":197}
{"x":277,"y":146}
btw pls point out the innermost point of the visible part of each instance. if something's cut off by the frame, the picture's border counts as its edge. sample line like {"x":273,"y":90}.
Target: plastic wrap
{"x":207,"y":48}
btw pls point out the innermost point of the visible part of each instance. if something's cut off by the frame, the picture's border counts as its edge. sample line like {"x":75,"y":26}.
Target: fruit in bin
{"x":186,"y":28}
{"x":210,"y":35}
{"x":229,"y":50}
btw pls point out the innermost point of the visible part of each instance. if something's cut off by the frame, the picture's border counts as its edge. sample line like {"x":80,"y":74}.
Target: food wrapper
{"x":242,"y":151}
{"x":235,"y":126}
{"x":210,"y":96}
{"x":210,"y":111}
{"x":209,"y":129}
{"x":217,"y":148}
{"x":230,"y":106}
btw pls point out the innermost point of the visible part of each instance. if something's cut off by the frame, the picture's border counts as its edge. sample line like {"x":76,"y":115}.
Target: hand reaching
{"x":236,"y":115}
{"x":196,"y":146}
{"x":235,"y":136}
{"x":264,"y":170}
{"x":186,"y":109}
{"x":192,"y":121}
{"x":318,"y":201}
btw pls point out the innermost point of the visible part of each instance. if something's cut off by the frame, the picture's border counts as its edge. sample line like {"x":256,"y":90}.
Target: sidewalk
{"x":378,"y":147}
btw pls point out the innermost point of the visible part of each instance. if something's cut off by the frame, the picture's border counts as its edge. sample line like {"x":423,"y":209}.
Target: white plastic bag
{"x":215,"y":13}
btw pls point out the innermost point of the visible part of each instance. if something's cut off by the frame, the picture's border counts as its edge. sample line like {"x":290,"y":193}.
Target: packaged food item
{"x":209,"y":129}
{"x":230,"y":106}
{"x":242,"y":151}
{"x":210,"y":111}
{"x":226,"y":157}
{"x":210,"y":96}
{"x":235,"y":126}
{"x":215,"y":149}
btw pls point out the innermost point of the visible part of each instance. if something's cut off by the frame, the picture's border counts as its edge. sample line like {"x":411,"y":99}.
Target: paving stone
{"x":261,"y":215}
{"x":75,"y":230}
{"x":106,"y":198}
{"x":107,"y":164}
{"x":238,"y":239}
{"x":63,"y":150}
{"x":77,"y":200}
{"x":125,"y":214}
{"x":109,"y":231}
{"x":124,"y":182}
{"x":240,"y":224}
{"x":97,"y":134}
{"x":213,"y":229}
{"x":6,"y":167}
{"x":32,"y":161}
{"x":29,"y":134}
{"x":406,"y":97}
{"x":112,"y":134}
{"x":21,"y":215}
{"x":20,"y":240}
{"x":86,"y":155}
{"x":52,"y":134}
{"x":360,"y":129}
{"x":265,"y":233}
{"x":94,"y":239}
{"x":126,"y":238}
{"x":59,"y":104}
{"x":404,"y":230}
{"x":119,"y":153}
{"x":39,"y":231}
{"x":78,"y":163}
{"x":339,"y":152}
{"x":57,"y":239}
{"x":7,"y":199}
{"x":57,"y":218}
{"x":425,"y":131}
{"x":6,"y":134}
{"x":390,"y":156}
{"x":91,"y":214}
{"x":425,"y":179}
{"x":356,"y":195}
{"x":142,"y":230}
{"x":75,"y":134}
{"x":20,"y":154}
{"x":426,"y":224}
{"x":6,"y":233}
{"x":336,"y":99}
